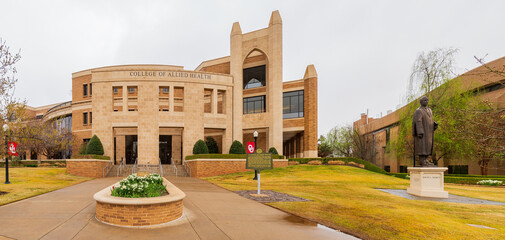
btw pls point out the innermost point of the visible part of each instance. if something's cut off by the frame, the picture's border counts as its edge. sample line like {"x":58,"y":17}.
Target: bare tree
{"x":46,"y":138}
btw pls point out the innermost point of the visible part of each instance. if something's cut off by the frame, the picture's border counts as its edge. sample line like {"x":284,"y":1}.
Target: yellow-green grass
{"x":346,"y":198}
{"x":29,"y":182}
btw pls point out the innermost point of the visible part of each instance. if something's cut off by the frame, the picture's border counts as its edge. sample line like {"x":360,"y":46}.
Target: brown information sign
{"x":259,"y":160}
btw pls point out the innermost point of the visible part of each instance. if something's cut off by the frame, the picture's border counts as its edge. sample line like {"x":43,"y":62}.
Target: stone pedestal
{"x":427,"y":182}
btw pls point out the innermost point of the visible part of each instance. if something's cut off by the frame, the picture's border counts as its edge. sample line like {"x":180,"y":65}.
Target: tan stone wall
{"x":310,"y":108}
{"x":77,"y":88}
{"x":215,"y":167}
{"x":78,"y":140}
{"x":138,"y":215}
{"x":86,"y":167}
{"x":218,"y":68}
{"x":294,"y":122}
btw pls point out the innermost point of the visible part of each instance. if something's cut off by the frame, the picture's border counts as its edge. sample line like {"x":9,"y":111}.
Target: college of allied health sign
{"x":259,"y":161}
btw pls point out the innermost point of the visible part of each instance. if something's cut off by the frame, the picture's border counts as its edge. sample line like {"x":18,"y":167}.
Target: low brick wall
{"x":86,"y":167}
{"x":214,"y":167}
{"x":139,"y":212}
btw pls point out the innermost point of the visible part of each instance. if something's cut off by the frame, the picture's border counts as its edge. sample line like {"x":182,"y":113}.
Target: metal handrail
{"x":107,"y":169}
{"x":174,"y":167}
{"x":120,"y":168}
{"x":186,"y":167}
{"x":161,"y":167}
{"x":134,"y":168}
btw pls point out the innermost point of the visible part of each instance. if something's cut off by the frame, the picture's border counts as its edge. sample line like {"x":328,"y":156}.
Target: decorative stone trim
{"x":139,"y":211}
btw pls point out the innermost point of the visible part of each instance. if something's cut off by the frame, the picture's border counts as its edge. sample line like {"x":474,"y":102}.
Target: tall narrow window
{"x":254,"y":77}
{"x":85,"y":90}
{"x":164,"y":98}
{"x":178,"y":99}
{"x":220,"y":101}
{"x":90,"y":117}
{"x":292,"y":104}
{"x":254,"y":105}
{"x":90,"y":89}
{"x":85,"y":118}
{"x":207,"y":100}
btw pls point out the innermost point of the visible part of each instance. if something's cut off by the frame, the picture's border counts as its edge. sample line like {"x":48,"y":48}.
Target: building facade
{"x":378,"y":132}
{"x":158,"y":112}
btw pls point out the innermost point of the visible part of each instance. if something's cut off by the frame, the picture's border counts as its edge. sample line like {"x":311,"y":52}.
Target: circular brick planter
{"x":137,"y":212}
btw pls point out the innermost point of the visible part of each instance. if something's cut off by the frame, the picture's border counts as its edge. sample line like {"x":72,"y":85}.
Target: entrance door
{"x":130,"y":148}
{"x":166,"y":149}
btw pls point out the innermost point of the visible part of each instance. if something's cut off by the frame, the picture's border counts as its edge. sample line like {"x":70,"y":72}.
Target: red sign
{"x":250,"y":147}
{"x":12,"y":147}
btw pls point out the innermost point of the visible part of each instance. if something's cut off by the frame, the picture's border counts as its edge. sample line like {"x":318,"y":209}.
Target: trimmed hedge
{"x":272,"y":150}
{"x":211,"y":145}
{"x":368,"y":166}
{"x":225,"y":156}
{"x":90,"y":156}
{"x":237,"y":148}
{"x":94,"y":146}
{"x":200,"y":147}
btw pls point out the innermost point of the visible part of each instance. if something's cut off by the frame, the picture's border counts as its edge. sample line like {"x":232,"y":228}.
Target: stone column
{"x":310,"y":109}
{"x":274,"y":82}
{"x":236,"y":72}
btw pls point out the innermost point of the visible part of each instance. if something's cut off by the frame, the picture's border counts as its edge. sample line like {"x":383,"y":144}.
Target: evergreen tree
{"x":237,"y":148}
{"x":212,"y":145}
{"x":200,"y":147}
{"x":94,"y":146}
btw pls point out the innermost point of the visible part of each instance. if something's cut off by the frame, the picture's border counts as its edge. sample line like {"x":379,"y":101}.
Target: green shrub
{"x":237,"y":148}
{"x":225,"y":156}
{"x":368,"y":166}
{"x":94,"y":146}
{"x":90,"y":156}
{"x":31,"y":165}
{"x":82,"y":149}
{"x":200,"y":147}
{"x":211,"y":145}
{"x":272,"y":150}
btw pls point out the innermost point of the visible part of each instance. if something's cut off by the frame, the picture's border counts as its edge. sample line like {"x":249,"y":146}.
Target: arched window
{"x":254,"y":77}
{"x":253,"y":83}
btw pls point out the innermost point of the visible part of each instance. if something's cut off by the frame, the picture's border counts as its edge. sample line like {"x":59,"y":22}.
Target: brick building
{"x":379,"y":131}
{"x":153,"y":112}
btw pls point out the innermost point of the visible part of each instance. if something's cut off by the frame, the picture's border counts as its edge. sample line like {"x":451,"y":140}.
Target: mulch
{"x":273,"y":196}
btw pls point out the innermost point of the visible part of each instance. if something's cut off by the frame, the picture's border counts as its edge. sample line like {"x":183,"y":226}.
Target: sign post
{"x":259,"y":161}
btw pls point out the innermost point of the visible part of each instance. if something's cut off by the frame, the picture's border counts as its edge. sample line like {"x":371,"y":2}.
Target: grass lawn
{"x":344,"y":198}
{"x":29,"y":182}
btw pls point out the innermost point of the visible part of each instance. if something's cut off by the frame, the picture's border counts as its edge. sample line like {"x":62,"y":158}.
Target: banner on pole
{"x":251,"y":147}
{"x":12,"y":148}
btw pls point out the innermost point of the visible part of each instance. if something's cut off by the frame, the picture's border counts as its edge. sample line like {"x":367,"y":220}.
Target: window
{"x":85,"y":90}
{"x":165,"y":89}
{"x":254,"y":77}
{"x":207,"y":100}
{"x":132,"y":90}
{"x":387,"y":168}
{"x":292,"y":104}
{"x":115,"y":90}
{"x":403,"y":169}
{"x":85,"y":118}
{"x":90,"y":89}
{"x":90,"y":117}
{"x":220,"y":101}
{"x":178,"y":99}
{"x":131,"y":110}
{"x":254,"y":105}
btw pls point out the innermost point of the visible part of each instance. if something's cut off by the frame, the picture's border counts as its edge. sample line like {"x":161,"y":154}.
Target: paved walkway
{"x":210,"y":212}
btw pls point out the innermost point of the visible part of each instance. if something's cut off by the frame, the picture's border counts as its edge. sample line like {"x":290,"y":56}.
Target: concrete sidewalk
{"x":210,"y":212}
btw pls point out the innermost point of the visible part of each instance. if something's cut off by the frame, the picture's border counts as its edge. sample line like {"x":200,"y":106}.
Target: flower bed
{"x":139,"y":211}
{"x":490,"y":182}
{"x":134,"y":186}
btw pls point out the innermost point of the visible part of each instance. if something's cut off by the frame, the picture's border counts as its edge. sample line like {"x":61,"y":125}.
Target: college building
{"x":158,"y":112}
{"x":379,"y":131}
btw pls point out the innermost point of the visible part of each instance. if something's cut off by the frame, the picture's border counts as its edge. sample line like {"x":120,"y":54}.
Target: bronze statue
{"x":423,"y":130}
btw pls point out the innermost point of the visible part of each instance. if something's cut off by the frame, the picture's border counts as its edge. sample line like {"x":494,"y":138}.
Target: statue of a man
{"x":423,"y":130}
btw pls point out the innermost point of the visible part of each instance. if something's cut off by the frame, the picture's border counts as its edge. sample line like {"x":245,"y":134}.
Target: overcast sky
{"x":363,"y":51}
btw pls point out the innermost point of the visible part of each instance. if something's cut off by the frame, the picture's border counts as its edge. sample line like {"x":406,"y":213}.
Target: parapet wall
{"x":215,"y":167}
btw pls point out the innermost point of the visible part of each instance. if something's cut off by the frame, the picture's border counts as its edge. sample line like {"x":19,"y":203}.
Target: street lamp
{"x":6,"y":128}
{"x":255,"y":134}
